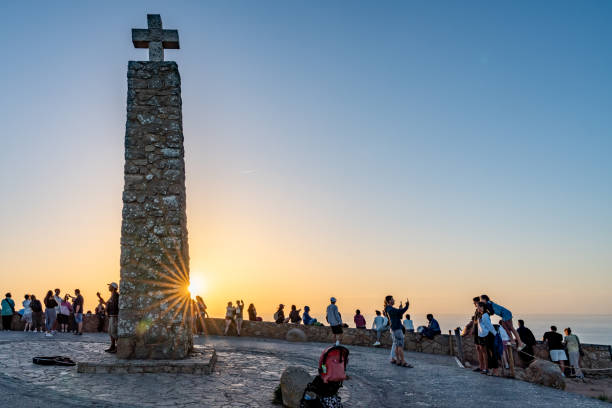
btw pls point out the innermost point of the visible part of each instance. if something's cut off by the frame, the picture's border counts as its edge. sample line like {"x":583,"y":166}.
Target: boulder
{"x":293,"y":382}
{"x":545,"y":373}
{"x":296,"y":335}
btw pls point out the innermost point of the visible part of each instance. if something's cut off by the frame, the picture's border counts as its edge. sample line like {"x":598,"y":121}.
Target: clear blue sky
{"x":427,"y":149}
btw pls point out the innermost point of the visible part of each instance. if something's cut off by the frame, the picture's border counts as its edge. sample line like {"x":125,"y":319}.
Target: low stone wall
{"x":595,"y":356}
{"x":90,"y":323}
{"x":323,"y":334}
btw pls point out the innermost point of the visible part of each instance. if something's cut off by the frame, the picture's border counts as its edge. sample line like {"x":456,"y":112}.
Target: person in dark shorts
{"x":78,"y":311}
{"x":554,"y":341}
{"x":335,"y":320}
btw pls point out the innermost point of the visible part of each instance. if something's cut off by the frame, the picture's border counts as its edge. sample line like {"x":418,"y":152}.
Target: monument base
{"x":201,"y":361}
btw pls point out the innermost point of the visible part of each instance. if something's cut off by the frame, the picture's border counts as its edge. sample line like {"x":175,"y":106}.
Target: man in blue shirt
{"x":395,"y":319}
{"x":432,"y":328}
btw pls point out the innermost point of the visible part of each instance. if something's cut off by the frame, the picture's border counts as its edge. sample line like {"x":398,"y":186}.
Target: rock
{"x":545,"y":373}
{"x":293,"y":383}
{"x":296,"y":335}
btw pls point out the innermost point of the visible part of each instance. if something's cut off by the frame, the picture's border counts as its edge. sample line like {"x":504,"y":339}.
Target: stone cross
{"x":155,"y":38}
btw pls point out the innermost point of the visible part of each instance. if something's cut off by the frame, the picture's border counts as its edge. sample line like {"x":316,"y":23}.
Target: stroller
{"x":322,"y":392}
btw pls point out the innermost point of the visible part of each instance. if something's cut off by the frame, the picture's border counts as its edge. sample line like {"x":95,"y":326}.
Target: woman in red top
{"x":360,"y":322}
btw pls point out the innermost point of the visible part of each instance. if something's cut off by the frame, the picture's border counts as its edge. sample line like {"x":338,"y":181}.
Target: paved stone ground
{"x":246,"y":374}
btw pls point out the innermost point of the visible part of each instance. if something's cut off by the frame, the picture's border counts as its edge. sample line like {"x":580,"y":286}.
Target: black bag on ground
{"x":319,"y":394}
{"x":54,"y":360}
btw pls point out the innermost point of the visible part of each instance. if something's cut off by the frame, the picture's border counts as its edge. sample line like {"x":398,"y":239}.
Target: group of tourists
{"x":61,"y":314}
{"x":55,"y":313}
{"x":494,"y":342}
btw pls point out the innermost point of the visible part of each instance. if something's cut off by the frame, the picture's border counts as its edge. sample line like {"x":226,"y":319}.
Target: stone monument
{"x":155,"y":306}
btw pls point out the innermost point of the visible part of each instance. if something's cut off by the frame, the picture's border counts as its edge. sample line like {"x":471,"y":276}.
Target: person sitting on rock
{"x":252,"y":313}
{"x":294,"y":315}
{"x":432,"y":329}
{"x":279,"y":316}
{"x":359,"y":320}
{"x":380,"y":324}
{"x":306,"y":318}
{"x":408,"y":325}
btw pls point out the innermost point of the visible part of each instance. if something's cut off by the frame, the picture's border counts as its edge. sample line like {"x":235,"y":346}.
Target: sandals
{"x":394,"y":361}
{"x":405,"y":364}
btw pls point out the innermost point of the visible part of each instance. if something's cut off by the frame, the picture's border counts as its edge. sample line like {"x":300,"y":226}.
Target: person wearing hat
{"x":112,"y":311}
{"x":335,"y":320}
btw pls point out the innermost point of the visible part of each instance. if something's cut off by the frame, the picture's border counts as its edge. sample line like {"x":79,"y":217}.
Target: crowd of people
{"x":494,"y":342}
{"x":62,"y":314}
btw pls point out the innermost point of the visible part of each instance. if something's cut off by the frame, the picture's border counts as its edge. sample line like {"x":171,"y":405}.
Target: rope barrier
{"x":581,"y":368}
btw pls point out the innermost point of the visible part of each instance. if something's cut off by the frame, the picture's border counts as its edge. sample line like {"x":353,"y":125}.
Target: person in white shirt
{"x":58,"y":300}
{"x":506,"y":340}
{"x":27,"y":313}
{"x":408,"y":324}
{"x":486,"y":339}
{"x":380,"y":325}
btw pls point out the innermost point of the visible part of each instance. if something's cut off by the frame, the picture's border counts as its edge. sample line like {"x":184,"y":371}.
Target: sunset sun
{"x":197,"y":286}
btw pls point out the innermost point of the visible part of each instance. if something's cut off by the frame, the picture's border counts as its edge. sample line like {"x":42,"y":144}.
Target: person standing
{"x":408,"y":325}
{"x":37,"y":314}
{"x":335,"y":320}
{"x":239,"y":315}
{"x":8,"y":310}
{"x":112,"y":311}
{"x":100,"y":313}
{"x":27,"y":313}
{"x":78,"y":311}
{"x":528,"y":340}
{"x":58,"y":300}
{"x":50,"y":313}
{"x":201,"y":314}
{"x":64,"y":314}
{"x":380,"y":325}
{"x":359,"y":320}
{"x":554,"y":341}
{"x":473,"y":329}
{"x":230,"y":315}
{"x":572,"y":342}
{"x":395,"y":318}
{"x":486,"y":339}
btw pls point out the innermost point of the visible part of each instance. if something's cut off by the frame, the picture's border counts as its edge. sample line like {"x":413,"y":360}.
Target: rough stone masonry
{"x":154,"y":316}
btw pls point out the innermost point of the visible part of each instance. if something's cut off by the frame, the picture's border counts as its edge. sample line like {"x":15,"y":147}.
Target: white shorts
{"x":557,"y":355}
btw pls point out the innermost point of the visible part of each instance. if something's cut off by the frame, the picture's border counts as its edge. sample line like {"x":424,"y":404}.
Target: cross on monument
{"x":155,"y":38}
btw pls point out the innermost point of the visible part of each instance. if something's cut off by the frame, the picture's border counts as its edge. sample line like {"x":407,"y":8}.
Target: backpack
{"x":332,"y":364}
{"x":319,"y":394}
